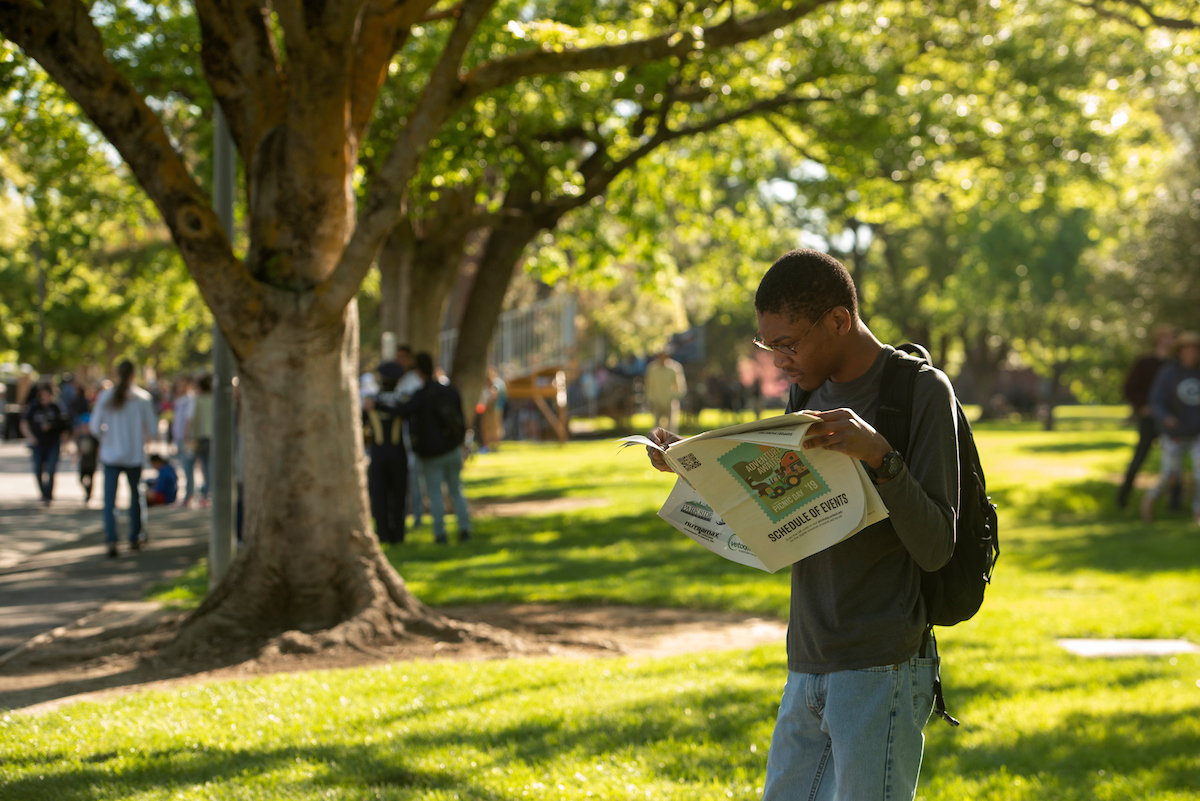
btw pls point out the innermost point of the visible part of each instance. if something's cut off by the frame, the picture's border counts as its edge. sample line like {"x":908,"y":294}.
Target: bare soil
{"x":113,"y":652}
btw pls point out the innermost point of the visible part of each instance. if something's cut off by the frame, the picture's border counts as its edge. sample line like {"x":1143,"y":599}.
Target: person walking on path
{"x":45,"y":424}
{"x":198,"y":433}
{"x":664,"y":386}
{"x":1137,"y":391}
{"x":87,"y":449}
{"x":387,"y":475}
{"x":1175,"y":402}
{"x":184,"y":408}
{"x":861,"y":679}
{"x":123,"y":419}
{"x":438,"y":429}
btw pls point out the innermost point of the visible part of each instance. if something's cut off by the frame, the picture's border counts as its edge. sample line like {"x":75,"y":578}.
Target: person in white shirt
{"x":185,"y":407}
{"x":124,"y":420}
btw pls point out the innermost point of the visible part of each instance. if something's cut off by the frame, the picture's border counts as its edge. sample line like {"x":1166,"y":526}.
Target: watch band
{"x":889,"y":468}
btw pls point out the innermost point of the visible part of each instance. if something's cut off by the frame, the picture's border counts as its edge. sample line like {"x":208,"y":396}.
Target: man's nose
{"x":780,"y":360}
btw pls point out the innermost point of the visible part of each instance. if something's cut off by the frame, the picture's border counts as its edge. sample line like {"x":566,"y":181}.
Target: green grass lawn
{"x":1038,"y":723}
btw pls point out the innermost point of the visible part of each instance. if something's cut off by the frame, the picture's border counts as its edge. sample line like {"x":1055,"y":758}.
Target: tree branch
{"x":384,"y":28}
{"x":385,"y":197}
{"x":241,"y":63}
{"x":61,"y":37}
{"x":494,"y":74}
{"x":604,"y":177}
{"x":446,"y":13}
{"x":1173,"y":23}
{"x":787,"y":138}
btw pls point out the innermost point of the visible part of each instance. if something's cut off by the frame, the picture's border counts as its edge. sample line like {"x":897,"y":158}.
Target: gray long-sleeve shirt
{"x":858,"y":604}
{"x":1176,"y":393}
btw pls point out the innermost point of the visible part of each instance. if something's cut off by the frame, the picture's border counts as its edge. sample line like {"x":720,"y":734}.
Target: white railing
{"x":526,"y":340}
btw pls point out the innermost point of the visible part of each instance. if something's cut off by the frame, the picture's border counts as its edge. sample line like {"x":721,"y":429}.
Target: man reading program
{"x":860,"y":674}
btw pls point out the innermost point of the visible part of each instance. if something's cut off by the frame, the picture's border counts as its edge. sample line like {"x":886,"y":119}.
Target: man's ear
{"x":843,"y":320}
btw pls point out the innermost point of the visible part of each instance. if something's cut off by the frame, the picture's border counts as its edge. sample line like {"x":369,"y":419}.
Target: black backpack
{"x":954,"y":592}
{"x":446,"y":416}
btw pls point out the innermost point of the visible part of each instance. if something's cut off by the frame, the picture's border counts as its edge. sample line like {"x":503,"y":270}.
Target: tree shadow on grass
{"x":1126,"y":548}
{"x":1092,"y":533}
{"x":627,"y":559}
{"x":362,"y":767}
{"x":1075,"y":446}
{"x":717,"y":724}
{"x":1076,"y":759}
{"x":710,"y":720}
{"x":477,"y":492}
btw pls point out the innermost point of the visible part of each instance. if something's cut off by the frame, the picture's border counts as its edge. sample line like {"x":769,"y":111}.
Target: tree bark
{"x":983,"y":366}
{"x":311,"y":562}
{"x":395,"y":281}
{"x":509,"y":238}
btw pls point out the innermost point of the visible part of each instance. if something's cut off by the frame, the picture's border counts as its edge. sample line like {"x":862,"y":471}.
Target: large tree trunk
{"x":484,"y":304}
{"x":983,"y":368}
{"x":395,"y":280}
{"x":434,"y":270}
{"x":311,"y":562}
{"x":418,"y":266}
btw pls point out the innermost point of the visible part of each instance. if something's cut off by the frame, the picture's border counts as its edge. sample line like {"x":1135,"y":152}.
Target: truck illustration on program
{"x":773,"y":472}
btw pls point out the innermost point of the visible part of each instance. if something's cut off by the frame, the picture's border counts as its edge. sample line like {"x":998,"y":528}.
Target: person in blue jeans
{"x":861,"y":668}
{"x":437,"y":428}
{"x":124,"y":421}
{"x":44,"y":424}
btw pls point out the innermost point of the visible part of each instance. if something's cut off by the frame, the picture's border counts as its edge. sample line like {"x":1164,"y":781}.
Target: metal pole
{"x":224,"y":528}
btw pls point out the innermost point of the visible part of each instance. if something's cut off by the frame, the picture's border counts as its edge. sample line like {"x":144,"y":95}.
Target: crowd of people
{"x":414,"y":442}
{"x":113,"y":428}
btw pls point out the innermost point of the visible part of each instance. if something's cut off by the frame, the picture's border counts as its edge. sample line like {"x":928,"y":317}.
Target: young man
{"x":664,"y":385}
{"x":45,"y":424}
{"x":860,"y":674}
{"x":437,"y":426}
{"x":1175,"y":403}
{"x":1137,"y":391}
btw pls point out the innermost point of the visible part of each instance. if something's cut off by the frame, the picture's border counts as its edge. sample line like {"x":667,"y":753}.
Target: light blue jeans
{"x":188,"y":460}
{"x":854,"y":735}
{"x":1171,"y":471}
{"x":439,"y":470}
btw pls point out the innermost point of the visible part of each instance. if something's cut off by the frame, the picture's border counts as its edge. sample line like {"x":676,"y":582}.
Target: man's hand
{"x":664,"y":438}
{"x":844,"y":431}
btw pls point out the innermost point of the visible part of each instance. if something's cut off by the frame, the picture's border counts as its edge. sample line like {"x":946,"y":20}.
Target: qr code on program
{"x":689,"y":461}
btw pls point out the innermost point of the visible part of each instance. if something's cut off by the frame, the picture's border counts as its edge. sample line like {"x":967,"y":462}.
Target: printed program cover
{"x":753,"y":495}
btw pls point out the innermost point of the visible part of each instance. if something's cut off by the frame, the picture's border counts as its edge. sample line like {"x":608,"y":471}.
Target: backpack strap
{"x":928,"y":649}
{"x":797,"y":398}
{"x":894,"y":417}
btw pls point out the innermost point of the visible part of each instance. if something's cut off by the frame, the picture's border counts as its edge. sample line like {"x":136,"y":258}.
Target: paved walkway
{"x":53,"y":568}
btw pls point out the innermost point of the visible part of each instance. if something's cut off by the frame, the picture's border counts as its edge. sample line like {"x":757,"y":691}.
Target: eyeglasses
{"x":790,"y":350}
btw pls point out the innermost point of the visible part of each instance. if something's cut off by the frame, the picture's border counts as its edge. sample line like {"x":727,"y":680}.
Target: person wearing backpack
{"x":862,"y":670}
{"x":437,"y":428}
{"x":387,"y":474}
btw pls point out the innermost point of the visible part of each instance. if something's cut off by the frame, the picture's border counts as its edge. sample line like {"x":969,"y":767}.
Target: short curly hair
{"x":805,"y":283}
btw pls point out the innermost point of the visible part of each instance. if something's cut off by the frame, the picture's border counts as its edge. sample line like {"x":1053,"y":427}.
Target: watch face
{"x":892,"y":464}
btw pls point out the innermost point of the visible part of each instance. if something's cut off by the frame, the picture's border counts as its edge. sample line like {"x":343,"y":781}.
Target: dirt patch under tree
{"x":114,"y":651}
